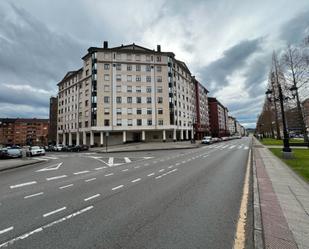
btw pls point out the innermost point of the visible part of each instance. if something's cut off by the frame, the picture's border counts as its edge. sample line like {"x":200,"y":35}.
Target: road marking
{"x":99,"y":168}
{"x":29,"y":196}
{"x":118,"y":187}
{"x":51,"y":167}
{"x":161,"y":170}
{"x":23,"y":184}
{"x":151,"y":174}
{"x":246,"y":148}
{"x":136,"y":180}
{"x":110,"y":174}
{"x":240,"y":146}
{"x":127,"y":160}
{"x":110,"y":161}
{"x":125,"y":170}
{"x":177,"y":164}
{"x":91,"y":179}
{"x":231,"y":147}
{"x":81,"y":172}
{"x":6,"y":230}
{"x":136,"y":167}
{"x":40,"y":159}
{"x":91,"y":197}
{"x":66,"y":186}
{"x":240,"y":236}
{"x":51,"y":157}
{"x":56,"y":177}
{"x":55,"y":211}
{"x":40,"y":229}
{"x":169,"y":172}
{"x":171,"y":166}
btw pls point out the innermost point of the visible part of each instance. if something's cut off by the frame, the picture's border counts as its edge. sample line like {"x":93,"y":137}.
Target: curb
{"x":22,"y":165}
{"x":119,"y":151}
{"x":257,"y":218}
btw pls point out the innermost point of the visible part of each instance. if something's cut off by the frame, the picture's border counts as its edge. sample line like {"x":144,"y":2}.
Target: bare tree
{"x":296,"y":75}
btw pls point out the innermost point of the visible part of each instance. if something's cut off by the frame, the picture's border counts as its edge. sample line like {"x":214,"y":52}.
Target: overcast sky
{"x":227,"y":44}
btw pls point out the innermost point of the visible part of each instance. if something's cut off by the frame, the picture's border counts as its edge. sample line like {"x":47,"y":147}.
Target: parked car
{"x":81,"y":148}
{"x":35,"y":151}
{"x":58,"y":147}
{"x":6,"y":153}
{"x":207,"y":140}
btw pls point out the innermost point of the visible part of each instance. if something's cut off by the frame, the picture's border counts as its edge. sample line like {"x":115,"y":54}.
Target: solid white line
{"x":56,"y":177}
{"x":92,"y":197}
{"x":99,"y":168}
{"x":120,"y":186}
{"x":40,"y":229}
{"x":127,"y":160}
{"x":66,"y":186}
{"x":81,"y":172}
{"x":55,"y":211}
{"x":136,"y":180}
{"x":91,"y":179}
{"x":109,"y":174}
{"x":6,"y":230}
{"x":151,"y":174}
{"x":23,"y":184}
{"x":125,"y":170}
{"x":29,"y":196}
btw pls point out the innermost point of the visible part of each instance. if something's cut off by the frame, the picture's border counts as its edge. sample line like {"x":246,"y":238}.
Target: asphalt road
{"x":162,"y":199}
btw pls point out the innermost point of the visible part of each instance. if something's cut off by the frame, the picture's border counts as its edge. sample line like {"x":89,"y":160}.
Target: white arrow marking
{"x":51,"y":167}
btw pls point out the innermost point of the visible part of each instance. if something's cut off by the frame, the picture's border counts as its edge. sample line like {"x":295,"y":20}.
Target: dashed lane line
{"x":99,"y":168}
{"x":125,"y":170}
{"x":55,"y":177}
{"x":66,"y":186}
{"x":23,"y":184}
{"x":118,"y":187}
{"x":81,"y":172}
{"x":91,"y":197}
{"x":161,"y":170}
{"x":136,"y":180}
{"x":54,"y":212}
{"x":6,"y":230}
{"x":90,"y":180}
{"x":110,"y":174}
{"x":151,"y":174}
{"x":167,"y":173}
{"x":40,"y":229}
{"x":33,"y":195}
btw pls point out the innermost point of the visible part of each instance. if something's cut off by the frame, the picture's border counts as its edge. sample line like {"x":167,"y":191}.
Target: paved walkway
{"x":147,"y":146}
{"x":283,"y":199}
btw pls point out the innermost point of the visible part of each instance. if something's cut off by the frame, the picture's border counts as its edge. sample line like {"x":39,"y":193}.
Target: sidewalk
{"x":281,"y":202}
{"x":133,"y":147}
{"x":6,"y":164}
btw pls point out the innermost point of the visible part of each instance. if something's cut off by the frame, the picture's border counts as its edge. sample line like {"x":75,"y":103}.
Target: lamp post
{"x":286,"y":145}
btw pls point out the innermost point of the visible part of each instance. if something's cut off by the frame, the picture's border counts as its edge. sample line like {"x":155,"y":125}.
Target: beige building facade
{"x":126,"y":93}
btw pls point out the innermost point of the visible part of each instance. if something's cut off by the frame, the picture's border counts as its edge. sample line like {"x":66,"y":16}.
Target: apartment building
{"x":201,"y":124}
{"x":218,"y":115}
{"x":20,"y":131}
{"x":232,"y":125}
{"x":126,"y":93}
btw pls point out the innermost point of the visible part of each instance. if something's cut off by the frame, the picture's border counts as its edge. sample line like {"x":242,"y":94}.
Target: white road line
{"x":99,"y":168}
{"x":136,"y":167}
{"x":110,"y":174}
{"x":40,"y":159}
{"x":66,"y":186}
{"x":125,"y":170}
{"x":40,"y":229}
{"x":23,"y":184}
{"x":161,"y":170}
{"x":246,"y":148}
{"x":169,"y":172}
{"x":91,"y":197}
{"x":90,"y":180}
{"x":50,"y":157}
{"x":183,"y":162}
{"x":205,"y":156}
{"x":127,"y":160}
{"x":118,"y":187}
{"x":177,"y":164}
{"x":240,"y":146}
{"x":81,"y":172}
{"x":29,"y":196}
{"x":6,"y":230}
{"x":136,"y":180}
{"x":151,"y":174}
{"x":231,"y":147}
{"x":110,"y":161}
{"x":171,"y":166}
{"x":55,"y":211}
{"x":56,"y":177}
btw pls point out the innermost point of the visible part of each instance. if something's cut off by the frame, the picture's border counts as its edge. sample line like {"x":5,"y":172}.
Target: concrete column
{"x":91,"y":138}
{"x":101,"y":138}
{"x":77,"y":138}
{"x":57,"y":138}
{"x":181,"y":134}
{"x":124,"y":136}
{"x":64,"y":142}
{"x":84,"y":138}
{"x":187,"y":134}
{"x":143,"y":136}
{"x":70,"y":138}
{"x":192,"y":134}
{"x":164,"y":135}
{"x":174,"y":135}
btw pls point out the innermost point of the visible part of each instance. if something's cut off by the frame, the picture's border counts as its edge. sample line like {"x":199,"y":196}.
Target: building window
{"x":160,"y":111}
{"x":160,"y":121}
{"x":129,"y":67}
{"x":147,"y":57}
{"x":129,"y":78}
{"x":118,"y":100}
{"x":138,"y":111}
{"x":106,"y":111}
{"x":138,"y":122}
{"x":119,"y":123}
{"x":137,"y":57}
{"x":148,"y":100}
{"x":148,"y":89}
{"x":138,"y":67}
{"x":159,"y":89}
{"x":158,"y":58}
{"x":106,"y":66}
{"x":106,"y":99}
{"x":86,"y":124}
{"x":148,"y":78}
{"x":159,"y":78}
{"x":87,"y":72}
{"x":106,"y":77}
{"x":118,"y":66}
{"x":106,"y":122}
{"x":129,"y":111}
{"x":138,"y":89}
{"x":86,"y":102}
{"x":149,"y":111}
{"x":149,"y":122}
{"x":118,"y":88}
{"x":129,"y":122}
{"x":129,"y":89}
{"x":160,"y":100}
{"x":138,"y":100}
{"x":129,"y":57}
{"x":148,"y":68}
{"x":159,"y":68}
{"x":118,"y":111}
{"x":138,"y":78}
{"x":118,"y":77}
{"x":106,"y":88}
{"x":129,"y":100}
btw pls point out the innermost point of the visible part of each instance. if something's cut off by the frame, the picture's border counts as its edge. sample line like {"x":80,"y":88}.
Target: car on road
{"x":207,"y":140}
{"x":35,"y":151}
{"x":77,"y":148}
{"x":6,"y":153}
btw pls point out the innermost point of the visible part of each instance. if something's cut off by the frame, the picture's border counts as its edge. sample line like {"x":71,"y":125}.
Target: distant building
{"x":232,"y":125}
{"x":201,"y":124}
{"x":53,"y":116}
{"x":218,"y":116}
{"x":23,"y":131}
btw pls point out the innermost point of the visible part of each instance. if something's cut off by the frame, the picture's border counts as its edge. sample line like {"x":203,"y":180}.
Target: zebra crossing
{"x":228,"y":146}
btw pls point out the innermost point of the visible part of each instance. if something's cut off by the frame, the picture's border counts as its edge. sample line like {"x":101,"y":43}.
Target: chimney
{"x":105,"y":44}
{"x":159,"y":48}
